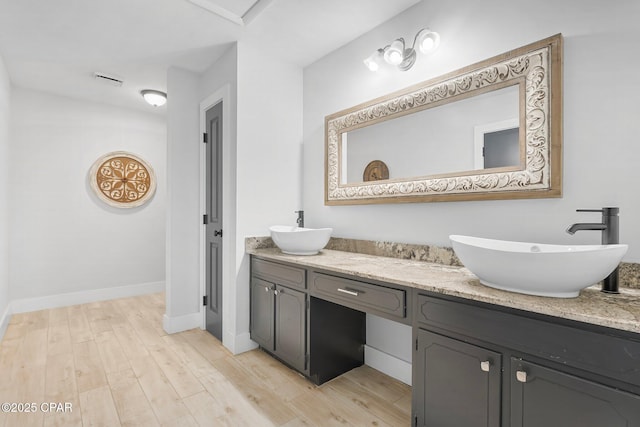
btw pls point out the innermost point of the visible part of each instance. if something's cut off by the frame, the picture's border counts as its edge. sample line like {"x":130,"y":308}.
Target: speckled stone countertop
{"x":592,"y":306}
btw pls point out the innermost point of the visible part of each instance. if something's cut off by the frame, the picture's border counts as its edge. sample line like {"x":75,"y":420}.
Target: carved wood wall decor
{"x":536,"y":69}
{"x":375,"y":171}
{"x":122,"y":180}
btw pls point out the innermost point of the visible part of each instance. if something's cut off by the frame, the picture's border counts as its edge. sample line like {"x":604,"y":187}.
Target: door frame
{"x":221,"y":95}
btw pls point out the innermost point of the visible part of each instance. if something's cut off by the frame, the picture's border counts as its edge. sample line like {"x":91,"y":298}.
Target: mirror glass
{"x":440,"y":140}
{"x":492,"y":130}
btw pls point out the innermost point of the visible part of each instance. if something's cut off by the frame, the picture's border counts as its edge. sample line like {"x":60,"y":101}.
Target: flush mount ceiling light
{"x":154,"y":97}
{"x":398,"y":54}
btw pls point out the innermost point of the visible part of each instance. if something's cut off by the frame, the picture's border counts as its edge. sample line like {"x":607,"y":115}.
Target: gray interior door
{"x":213,"y":220}
{"x":502,"y":148}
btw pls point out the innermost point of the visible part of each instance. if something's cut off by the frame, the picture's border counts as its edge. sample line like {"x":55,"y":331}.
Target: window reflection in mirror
{"x":436,"y":141}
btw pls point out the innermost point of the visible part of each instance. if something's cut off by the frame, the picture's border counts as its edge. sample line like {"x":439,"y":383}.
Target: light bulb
{"x":395,"y":52}
{"x":373,"y":61}
{"x":427,"y":40}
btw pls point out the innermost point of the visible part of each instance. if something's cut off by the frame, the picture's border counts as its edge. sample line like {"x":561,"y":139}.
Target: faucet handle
{"x":589,"y":210}
{"x":608,"y":211}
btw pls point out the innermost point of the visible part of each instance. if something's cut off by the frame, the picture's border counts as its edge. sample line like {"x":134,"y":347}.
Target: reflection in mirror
{"x":498,"y":145}
{"x":435,"y":141}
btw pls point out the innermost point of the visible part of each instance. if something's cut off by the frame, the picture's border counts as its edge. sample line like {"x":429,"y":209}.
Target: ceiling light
{"x":154,"y":97}
{"x":401,"y":56}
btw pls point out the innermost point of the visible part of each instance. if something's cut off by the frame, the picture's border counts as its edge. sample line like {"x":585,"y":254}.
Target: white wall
{"x":261,"y":177}
{"x":5,"y":96}
{"x":62,"y":238}
{"x":183,"y":196}
{"x":600,"y":119}
{"x":269,"y":164}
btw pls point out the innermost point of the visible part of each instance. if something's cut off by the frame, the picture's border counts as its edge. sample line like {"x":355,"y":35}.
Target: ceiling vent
{"x":108,"y":79}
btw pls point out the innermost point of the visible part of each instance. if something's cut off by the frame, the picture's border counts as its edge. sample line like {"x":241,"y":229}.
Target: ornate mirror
{"x":492,"y":130}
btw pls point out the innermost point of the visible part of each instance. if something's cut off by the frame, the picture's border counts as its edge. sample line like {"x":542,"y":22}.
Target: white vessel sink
{"x":535,"y":268}
{"x":300,"y":241}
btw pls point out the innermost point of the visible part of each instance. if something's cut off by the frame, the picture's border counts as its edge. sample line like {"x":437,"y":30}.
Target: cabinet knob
{"x":521,"y":376}
{"x":266,"y":289}
{"x":485,"y":366}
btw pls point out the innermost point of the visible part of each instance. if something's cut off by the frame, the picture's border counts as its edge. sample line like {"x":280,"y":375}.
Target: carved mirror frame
{"x":535,"y":68}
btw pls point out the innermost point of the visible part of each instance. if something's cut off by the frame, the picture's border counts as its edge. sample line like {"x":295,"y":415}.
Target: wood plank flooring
{"x":113,"y":364}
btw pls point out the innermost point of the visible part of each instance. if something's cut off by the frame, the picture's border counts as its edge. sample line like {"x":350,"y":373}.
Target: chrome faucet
{"x":300,"y":220}
{"x":610,"y":227}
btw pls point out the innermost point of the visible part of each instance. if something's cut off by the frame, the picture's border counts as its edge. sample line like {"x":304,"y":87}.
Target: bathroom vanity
{"x":481,"y":356}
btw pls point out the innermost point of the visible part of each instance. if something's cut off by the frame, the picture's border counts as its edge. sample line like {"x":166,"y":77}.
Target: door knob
{"x":485,"y":366}
{"x":217,"y":233}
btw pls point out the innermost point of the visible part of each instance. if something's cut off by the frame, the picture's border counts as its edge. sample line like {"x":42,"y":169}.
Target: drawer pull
{"x":348,"y":292}
{"x":521,"y":376}
{"x":485,"y":366}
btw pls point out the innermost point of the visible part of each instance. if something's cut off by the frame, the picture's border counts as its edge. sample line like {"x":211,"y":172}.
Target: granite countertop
{"x":592,"y":306}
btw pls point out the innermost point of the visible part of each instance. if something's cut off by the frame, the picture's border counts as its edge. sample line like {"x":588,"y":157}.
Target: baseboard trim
{"x":24,"y":305}
{"x":237,"y":344}
{"x":173,"y":325}
{"x":4,"y":321}
{"x":388,"y":364}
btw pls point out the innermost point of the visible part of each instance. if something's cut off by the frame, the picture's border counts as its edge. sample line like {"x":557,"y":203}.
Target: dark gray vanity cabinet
{"x":474,"y":364}
{"x":542,"y":396}
{"x":262,"y":309}
{"x":278,"y":312}
{"x":455,"y":383}
{"x":291,"y":327}
{"x":480,"y":365}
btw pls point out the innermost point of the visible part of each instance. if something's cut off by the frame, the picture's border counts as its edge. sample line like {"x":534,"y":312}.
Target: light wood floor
{"x":115,"y":365}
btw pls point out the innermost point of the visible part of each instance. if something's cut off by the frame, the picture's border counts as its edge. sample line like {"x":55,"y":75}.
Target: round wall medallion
{"x":375,"y":171}
{"x":122,"y":180}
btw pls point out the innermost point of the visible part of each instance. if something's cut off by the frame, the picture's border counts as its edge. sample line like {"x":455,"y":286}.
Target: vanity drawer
{"x":279,"y":273}
{"x":362,"y":296}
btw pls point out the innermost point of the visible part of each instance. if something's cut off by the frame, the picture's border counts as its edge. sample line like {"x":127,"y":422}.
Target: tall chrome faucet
{"x":610,"y":227}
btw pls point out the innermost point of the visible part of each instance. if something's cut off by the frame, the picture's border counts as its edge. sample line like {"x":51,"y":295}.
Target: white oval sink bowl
{"x":537,"y":269}
{"x":300,"y":241}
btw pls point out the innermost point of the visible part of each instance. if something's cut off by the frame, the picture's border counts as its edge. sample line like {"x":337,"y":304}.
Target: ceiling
{"x":57,"y":45}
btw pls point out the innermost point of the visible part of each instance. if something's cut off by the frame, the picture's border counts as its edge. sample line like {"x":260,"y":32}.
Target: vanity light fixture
{"x":398,"y":54}
{"x":154,"y":97}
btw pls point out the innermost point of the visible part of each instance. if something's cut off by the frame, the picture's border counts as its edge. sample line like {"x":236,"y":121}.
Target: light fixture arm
{"x":398,"y":54}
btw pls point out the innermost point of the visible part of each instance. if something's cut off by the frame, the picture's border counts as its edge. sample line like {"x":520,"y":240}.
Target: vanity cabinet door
{"x":454,"y":383}
{"x":262,"y":313}
{"x":291,"y":326}
{"x":542,"y":396}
